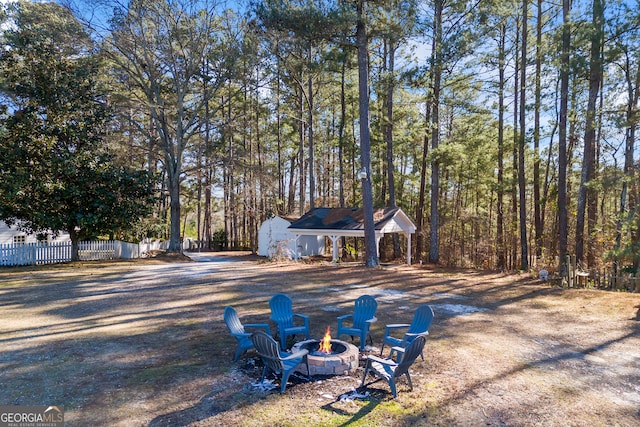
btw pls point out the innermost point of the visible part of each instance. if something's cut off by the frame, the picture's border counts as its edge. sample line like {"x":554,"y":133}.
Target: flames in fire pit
{"x":342,"y":357}
{"x":325,"y":344}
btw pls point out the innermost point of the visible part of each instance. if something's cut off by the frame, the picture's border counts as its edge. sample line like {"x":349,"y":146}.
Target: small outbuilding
{"x":338,"y":222}
{"x":12,"y":235}
{"x":275,"y":239}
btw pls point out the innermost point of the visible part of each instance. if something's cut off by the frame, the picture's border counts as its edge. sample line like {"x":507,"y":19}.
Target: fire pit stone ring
{"x":341,"y":361}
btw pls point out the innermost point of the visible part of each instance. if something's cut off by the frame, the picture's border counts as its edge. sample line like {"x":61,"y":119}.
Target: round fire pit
{"x":342,"y":360}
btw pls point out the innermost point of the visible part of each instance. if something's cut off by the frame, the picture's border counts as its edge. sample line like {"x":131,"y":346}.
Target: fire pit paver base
{"x":331,"y":364}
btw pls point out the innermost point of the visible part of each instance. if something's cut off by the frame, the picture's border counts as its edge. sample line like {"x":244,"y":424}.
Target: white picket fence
{"x":56,"y":252}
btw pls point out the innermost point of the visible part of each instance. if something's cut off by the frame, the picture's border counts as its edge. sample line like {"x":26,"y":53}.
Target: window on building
{"x":20,"y":240}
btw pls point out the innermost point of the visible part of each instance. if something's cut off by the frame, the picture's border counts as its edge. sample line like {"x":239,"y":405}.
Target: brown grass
{"x":142,"y":343}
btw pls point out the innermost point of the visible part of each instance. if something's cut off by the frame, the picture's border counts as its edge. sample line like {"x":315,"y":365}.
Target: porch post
{"x":297,"y":237}
{"x":334,"y":240}
{"x":408,"y":248}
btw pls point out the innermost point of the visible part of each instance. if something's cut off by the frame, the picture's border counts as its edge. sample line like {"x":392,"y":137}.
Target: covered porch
{"x":335,"y":223}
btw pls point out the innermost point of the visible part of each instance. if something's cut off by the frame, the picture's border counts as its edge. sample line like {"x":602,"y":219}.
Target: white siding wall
{"x":7,"y":235}
{"x":274,"y":239}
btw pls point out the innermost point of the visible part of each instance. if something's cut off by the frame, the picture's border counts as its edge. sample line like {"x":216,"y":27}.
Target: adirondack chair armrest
{"x":387,"y":362}
{"x":394,"y":326}
{"x":303,"y":317}
{"x":398,"y":325}
{"x":397,"y":353}
{"x":343,"y":318}
{"x":264,"y":326}
{"x":296,"y":355}
{"x":242,"y":335}
{"x":411,"y":336}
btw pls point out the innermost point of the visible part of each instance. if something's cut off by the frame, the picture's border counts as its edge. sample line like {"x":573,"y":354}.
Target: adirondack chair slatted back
{"x":282,"y":310}
{"x":233,"y":321}
{"x":362,"y":317}
{"x":268,"y":350}
{"x":282,"y":313}
{"x":421,"y":320}
{"x":365,"y":309}
{"x":389,"y":370}
{"x":410,"y":355}
{"x":273,"y":361}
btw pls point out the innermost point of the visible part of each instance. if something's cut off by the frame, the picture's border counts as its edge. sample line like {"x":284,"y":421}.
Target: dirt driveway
{"x":143,"y":344}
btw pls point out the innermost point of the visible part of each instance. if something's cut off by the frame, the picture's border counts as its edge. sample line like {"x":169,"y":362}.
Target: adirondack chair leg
{"x":363,"y":341}
{"x":239,"y":352}
{"x":366,"y":370}
{"x":285,"y":378}
{"x":392,"y":385}
{"x":409,"y":380}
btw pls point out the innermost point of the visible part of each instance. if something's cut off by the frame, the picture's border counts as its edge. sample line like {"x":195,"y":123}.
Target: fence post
{"x":569,"y":268}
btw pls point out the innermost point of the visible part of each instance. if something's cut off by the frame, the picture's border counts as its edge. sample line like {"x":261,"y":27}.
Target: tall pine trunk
{"x":586,"y":195}
{"x":537,"y":208}
{"x":301,"y":161}
{"x":312,"y":176}
{"x":524,"y":243}
{"x":562,"y":142}
{"x":500,"y":246}
{"x":389,"y":140}
{"x":420,"y":209}
{"x":371,"y":249}
{"x":434,"y":235}
{"x":341,"y":126}
{"x":514,"y":151}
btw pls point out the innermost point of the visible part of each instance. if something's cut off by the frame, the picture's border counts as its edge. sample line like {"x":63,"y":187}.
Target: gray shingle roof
{"x":342,"y":219}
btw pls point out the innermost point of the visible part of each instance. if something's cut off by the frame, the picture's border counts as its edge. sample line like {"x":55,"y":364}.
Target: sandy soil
{"x":143,"y":343}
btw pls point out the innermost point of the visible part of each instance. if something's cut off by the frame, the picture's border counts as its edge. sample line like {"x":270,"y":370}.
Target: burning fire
{"x":325,"y":344}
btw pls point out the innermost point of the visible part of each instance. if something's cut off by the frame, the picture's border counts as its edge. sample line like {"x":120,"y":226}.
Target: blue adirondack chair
{"x":420,"y":325}
{"x":362,"y":318}
{"x":279,"y":363}
{"x":390,"y":370}
{"x":237,"y":329}
{"x":282,"y":314}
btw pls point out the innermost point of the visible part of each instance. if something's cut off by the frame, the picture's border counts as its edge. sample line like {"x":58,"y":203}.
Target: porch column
{"x":296,"y":243}
{"x":408,"y":248}
{"x":334,"y":240}
{"x":378,"y":237}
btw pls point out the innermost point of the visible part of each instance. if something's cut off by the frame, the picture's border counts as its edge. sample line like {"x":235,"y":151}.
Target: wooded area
{"x":505,"y":129}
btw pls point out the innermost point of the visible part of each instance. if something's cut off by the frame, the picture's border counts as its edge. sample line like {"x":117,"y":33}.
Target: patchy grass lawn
{"x":143,"y":344}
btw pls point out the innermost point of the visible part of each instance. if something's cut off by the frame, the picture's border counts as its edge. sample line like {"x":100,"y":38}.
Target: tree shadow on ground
{"x":550,"y":363}
{"x":372,"y":403}
{"x":226,"y":397}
